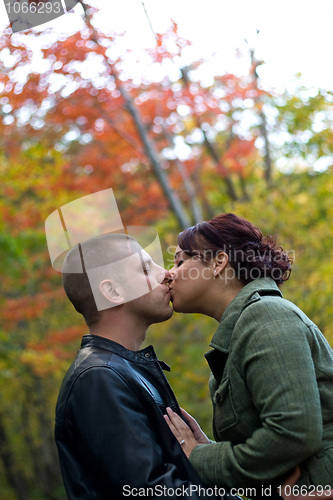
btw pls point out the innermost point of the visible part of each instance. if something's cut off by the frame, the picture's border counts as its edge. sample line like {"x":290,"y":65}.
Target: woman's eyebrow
{"x":177,"y":254}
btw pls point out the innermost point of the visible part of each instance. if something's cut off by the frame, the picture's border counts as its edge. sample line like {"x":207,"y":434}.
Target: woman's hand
{"x":287,"y":489}
{"x":188,"y":436}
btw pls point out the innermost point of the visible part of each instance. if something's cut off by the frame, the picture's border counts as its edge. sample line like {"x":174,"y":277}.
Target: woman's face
{"x":190,"y":283}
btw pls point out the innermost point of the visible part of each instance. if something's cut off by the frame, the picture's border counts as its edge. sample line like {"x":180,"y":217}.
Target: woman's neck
{"x":223,"y":297}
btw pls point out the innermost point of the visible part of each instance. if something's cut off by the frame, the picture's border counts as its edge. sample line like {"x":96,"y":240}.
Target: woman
{"x":272,"y":369}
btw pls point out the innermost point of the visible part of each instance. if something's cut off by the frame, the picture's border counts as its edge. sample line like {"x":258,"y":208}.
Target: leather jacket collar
{"x":146,"y":355}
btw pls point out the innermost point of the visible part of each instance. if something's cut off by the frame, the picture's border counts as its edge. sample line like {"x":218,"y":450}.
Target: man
{"x":112,"y":439}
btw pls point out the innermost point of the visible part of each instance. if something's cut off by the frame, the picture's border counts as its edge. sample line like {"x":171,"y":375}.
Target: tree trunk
{"x":15,"y":478}
{"x":175,"y":202}
{"x":263,"y":121}
{"x":42,"y":448}
{"x":172,"y":197}
{"x":221,"y":168}
{"x":211,"y":149}
{"x":267,"y":146}
{"x":188,"y":184}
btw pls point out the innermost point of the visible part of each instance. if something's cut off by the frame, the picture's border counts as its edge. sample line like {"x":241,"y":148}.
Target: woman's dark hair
{"x":251,"y":254}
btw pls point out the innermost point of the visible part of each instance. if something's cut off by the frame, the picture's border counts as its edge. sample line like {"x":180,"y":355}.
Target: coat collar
{"x":250,"y":293}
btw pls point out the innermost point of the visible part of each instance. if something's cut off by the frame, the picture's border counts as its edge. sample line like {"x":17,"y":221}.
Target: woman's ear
{"x":111,"y":292}
{"x":220,"y":262}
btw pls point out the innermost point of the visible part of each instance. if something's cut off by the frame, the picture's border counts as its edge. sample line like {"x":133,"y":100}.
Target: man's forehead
{"x":101,"y":251}
{"x":127,"y":246}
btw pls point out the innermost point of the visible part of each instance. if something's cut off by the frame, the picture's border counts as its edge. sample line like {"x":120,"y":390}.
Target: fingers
{"x":292,"y":479}
{"x":176,"y":420}
{"x":190,"y":420}
{"x":181,"y":431}
{"x":187,"y":416}
{"x":178,"y":427}
{"x":171,"y":426}
{"x":198,"y":434}
{"x":170,"y":420}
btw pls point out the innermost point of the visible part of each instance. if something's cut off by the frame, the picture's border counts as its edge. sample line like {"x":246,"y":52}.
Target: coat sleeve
{"x":276,"y":363}
{"x":119,"y":441}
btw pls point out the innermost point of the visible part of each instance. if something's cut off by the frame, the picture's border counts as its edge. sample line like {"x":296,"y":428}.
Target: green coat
{"x":272,"y":392}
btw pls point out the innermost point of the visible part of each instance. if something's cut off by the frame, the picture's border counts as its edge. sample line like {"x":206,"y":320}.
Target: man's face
{"x":148,"y":281}
{"x":131,"y":279}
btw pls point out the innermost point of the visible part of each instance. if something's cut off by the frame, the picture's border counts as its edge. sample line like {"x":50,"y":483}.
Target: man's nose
{"x":172,"y":271}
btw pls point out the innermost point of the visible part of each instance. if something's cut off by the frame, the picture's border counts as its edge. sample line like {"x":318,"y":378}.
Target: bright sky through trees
{"x":294,"y":36}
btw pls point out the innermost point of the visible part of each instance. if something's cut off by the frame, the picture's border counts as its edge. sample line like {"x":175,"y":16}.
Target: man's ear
{"x":111,"y":292}
{"x":220,"y":262}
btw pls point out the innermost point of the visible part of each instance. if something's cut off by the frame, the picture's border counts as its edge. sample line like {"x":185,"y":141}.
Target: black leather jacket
{"x":110,"y":432}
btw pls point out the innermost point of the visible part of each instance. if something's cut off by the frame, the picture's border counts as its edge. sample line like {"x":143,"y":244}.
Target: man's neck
{"x":121,"y":328}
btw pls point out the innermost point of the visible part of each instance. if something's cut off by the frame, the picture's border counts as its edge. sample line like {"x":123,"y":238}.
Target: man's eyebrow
{"x":177,"y":254}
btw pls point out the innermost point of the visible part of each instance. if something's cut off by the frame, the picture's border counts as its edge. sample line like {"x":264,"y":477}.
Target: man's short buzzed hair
{"x":92,"y":254}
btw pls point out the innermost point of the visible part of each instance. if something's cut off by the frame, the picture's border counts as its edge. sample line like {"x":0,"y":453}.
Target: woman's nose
{"x":167,"y":276}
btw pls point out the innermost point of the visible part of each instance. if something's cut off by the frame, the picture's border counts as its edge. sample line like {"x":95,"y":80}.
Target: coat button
{"x":147,"y":355}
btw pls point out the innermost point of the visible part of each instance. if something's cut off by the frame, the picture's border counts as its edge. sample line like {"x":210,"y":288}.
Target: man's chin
{"x":170,"y":311}
{"x":167,"y":315}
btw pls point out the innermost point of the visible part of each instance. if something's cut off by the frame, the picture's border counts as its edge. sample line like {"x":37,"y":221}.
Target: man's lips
{"x":167,"y":290}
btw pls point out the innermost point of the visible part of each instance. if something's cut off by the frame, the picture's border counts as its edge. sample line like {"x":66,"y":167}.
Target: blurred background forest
{"x":176,"y":151}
